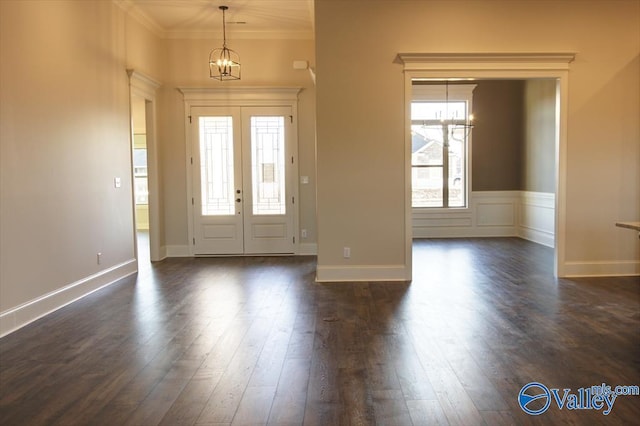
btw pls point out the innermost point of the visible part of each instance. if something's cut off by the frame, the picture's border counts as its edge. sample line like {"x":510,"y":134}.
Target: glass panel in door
{"x":216,"y":166}
{"x":268,"y":165}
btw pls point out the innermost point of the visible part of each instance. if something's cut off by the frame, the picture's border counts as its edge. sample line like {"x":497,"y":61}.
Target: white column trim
{"x":145,"y":87}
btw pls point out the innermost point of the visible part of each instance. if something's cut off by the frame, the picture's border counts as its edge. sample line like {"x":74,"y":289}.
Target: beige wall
{"x":64,"y":136}
{"x":360,"y":125}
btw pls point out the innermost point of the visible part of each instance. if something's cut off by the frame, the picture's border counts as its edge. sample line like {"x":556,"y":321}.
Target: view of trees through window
{"x":439,"y":145}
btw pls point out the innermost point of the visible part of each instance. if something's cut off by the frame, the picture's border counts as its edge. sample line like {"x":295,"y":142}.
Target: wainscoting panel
{"x":525,"y":214}
{"x":490,"y":214}
{"x":537,"y":217}
{"x":496,"y":213}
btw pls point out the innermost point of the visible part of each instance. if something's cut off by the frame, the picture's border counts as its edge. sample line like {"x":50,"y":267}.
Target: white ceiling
{"x":245,"y":18}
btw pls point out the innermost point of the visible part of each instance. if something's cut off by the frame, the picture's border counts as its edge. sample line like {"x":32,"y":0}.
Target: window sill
{"x":427,"y":210}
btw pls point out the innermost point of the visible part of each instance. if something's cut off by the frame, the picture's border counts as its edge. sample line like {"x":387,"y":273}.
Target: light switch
{"x":304,"y":179}
{"x":116,"y":182}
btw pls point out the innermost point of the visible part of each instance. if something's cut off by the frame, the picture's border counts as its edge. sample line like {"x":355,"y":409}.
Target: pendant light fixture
{"x":224,"y":63}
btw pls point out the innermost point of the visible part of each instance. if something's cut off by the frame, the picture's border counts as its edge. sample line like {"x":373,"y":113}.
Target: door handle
{"x":238,"y":200}
{"x":237,"y":191}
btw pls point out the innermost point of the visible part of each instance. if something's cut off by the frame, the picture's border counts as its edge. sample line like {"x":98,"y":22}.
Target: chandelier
{"x":224,"y":63}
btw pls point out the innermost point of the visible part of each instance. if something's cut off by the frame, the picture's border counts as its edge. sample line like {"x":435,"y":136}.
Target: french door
{"x":242,"y":175}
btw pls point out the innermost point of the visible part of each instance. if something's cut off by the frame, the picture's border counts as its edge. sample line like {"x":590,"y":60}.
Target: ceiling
{"x":245,"y":18}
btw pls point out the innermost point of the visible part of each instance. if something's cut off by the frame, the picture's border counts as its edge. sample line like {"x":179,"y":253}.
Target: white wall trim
{"x":238,"y":96}
{"x":492,"y":65}
{"x":304,"y":249}
{"x":361,"y":273}
{"x":178,"y":251}
{"x":602,"y":268}
{"x":236,"y":33}
{"x":143,"y":86}
{"x":162,"y":254}
{"x":536,"y":217}
{"x":490,"y":61}
{"x":18,"y":317}
{"x":525,"y":214}
{"x":490,"y":214}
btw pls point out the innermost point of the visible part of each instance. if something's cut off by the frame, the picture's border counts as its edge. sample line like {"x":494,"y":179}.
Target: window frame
{"x":451,"y":92}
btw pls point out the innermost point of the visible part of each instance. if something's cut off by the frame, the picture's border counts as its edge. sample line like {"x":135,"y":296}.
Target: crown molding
{"x":237,"y":93}
{"x":238,"y":35}
{"x":486,"y":61}
{"x":131,"y":9}
{"x":143,"y":19}
{"x":140,"y":79}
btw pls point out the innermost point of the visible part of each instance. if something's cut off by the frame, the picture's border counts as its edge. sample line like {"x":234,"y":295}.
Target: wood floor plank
{"x":291,"y":393}
{"x":188,"y":406}
{"x":426,"y":412}
{"x":390,"y":408}
{"x":225,"y":399}
{"x":255,"y":406}
{"x":238,"y":341}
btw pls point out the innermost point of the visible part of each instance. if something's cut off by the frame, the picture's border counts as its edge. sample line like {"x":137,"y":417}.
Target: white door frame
{"x":240,"y":97}
{"x":145,"y":87}
{"x":441,"y":66}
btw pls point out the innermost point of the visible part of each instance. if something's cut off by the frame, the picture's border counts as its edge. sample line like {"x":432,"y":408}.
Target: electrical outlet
{"x":303,"y":233}
{"x":346,"y":252}
{"x":99,"y":258}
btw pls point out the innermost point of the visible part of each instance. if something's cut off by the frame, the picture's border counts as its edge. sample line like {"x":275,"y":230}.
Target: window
{"x":141,"y":189}
{"x":268,"y":165}
{"x":440,"y":145}
{"x":217,"y":166}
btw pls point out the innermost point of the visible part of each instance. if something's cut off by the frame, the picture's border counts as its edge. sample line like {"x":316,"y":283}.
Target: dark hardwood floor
{"x":247,"y":341}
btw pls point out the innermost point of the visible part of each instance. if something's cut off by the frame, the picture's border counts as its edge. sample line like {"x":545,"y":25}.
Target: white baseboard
{"x":362,"y":273}
{"x":305,"y":249}
{"x":453,"y":232}
{"x":537,"y":236}
{"x":15,"y":318}
{"x":602,"y":269}
{"x":162,"y":254}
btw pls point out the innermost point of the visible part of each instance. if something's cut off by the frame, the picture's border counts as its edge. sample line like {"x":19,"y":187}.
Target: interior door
{"x":242,"y":172}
